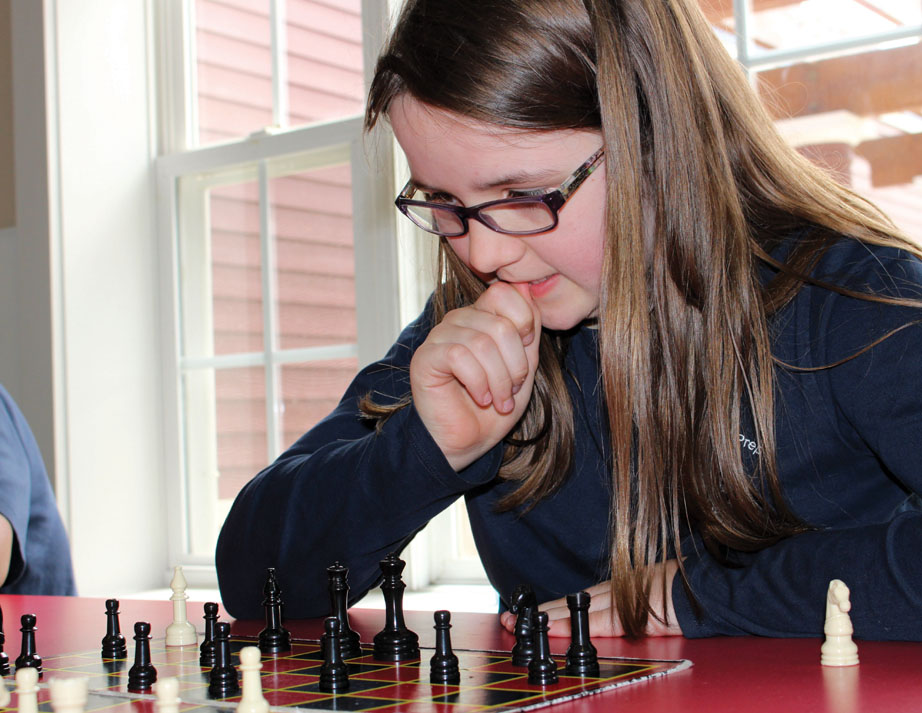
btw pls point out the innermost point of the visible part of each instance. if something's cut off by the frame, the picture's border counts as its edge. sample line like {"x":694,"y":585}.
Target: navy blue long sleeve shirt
{"x":848,"y":446}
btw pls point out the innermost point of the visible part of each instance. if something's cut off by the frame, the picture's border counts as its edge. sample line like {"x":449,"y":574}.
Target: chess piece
{"x":206,"y":651}
{"x":522,"y":595}
{"x":395,"y":642}
{"x":27,"y":690}
{"x":252,"y":700}
{"x":334,"y":673}
{"x":443,"y":666}
{"x":114,"y":645}
{"x":542,"y":669}
{"x":4,"y":658}
{"x":27,"y":657}
{"x":838,"y":649}
{"x":339,"y":602}
{"x":275,"y":638}
{"x":167,"y":692}
{"x":524,"y":649}
{"x":142,"y":675}
{"x":180,"y":632}
{"x":68,"y":695}
{"x":222,"y":681}
{"x":582,"y":658}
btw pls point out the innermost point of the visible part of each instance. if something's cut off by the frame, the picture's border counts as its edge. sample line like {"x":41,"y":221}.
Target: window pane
{"x":225,"y":415}
{"x":797,"y":24}
{"x":235,"y":268}
{"x":315,"y":264}
{"x":234,"y":72}
{"x":792,"y":24}
{"x":310,"y":392}
{"x":322,"y":60}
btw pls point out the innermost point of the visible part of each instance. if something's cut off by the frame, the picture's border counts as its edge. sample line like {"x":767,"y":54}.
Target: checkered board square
{"x":489,"y":682}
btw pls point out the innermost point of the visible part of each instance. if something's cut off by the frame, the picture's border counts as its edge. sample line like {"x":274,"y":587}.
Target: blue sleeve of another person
{"x":40,"y":562}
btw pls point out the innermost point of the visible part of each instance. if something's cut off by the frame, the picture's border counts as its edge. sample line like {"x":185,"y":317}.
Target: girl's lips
{"x":541,"y":287}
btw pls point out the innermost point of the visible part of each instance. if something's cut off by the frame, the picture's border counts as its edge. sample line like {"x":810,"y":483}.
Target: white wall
{"x":87,"y":269}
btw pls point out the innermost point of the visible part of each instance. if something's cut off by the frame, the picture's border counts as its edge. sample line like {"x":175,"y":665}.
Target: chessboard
{"x":489,"y":681}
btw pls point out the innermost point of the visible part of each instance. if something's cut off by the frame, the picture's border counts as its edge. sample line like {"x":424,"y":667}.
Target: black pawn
{"x":339,"y":601}
{"x":114,"y":645}
{"x":334,"y":673}
{"x":542,"y":671}
{"x":582,"y":658}
{"x":524,"y":650}
{"x":142,"y":675}
{"x":395,"y":642}
{"x":222,"y":681}
{"x":4,"y":658}
{"x":443,"y":666}
{"x":206,"y":650}
{"x":27,"y":657}
{"x":275,"y":638}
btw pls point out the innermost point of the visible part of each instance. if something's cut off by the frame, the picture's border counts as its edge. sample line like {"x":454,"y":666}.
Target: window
{"x":282,"y":287}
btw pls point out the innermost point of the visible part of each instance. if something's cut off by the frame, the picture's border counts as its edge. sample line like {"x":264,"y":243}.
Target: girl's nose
{"x":488,"y":251}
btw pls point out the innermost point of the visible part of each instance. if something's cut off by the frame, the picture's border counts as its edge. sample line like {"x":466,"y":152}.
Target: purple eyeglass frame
{"x":554,"y":200}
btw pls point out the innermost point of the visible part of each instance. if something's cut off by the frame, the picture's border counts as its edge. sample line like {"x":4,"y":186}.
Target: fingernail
{"x":508,"y":405}
{"x":528,"y":338}
{"x":516,"y":388}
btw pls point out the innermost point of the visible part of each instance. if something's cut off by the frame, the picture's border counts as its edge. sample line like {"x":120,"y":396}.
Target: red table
{"x":729,"y":674}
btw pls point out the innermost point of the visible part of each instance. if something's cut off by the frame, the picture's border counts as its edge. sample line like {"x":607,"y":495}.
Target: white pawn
{"x":68,"y":695}
{"x":180,"y":632}
{"x":27,"y":690}
{"x":838,"y":649}
{"x":167,"y":692}
{"x":252,"y":699}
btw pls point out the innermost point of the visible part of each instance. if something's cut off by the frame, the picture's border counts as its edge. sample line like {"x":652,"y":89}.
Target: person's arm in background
{"x":34,"y":548}
{"x":6,"y":547}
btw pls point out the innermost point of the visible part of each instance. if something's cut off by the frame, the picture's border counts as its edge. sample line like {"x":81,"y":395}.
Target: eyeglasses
{"x":519,"y":215}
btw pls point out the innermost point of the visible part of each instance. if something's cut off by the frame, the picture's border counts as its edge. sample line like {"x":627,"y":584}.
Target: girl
{"x":668,"y":360}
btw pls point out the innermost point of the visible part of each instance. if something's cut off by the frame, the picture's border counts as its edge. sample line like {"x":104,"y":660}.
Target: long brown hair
{"x":692,"y":156}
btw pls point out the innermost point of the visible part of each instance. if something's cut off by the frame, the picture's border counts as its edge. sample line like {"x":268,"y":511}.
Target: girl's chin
{"x":563,"y":323}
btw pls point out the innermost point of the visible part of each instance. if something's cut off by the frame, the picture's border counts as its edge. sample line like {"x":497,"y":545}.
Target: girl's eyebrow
{"x":519,"y":178}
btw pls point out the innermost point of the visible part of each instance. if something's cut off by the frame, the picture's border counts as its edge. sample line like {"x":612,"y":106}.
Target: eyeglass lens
{"x":526,"y":217}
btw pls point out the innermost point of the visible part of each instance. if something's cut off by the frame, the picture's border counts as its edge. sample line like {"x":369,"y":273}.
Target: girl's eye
{"x":523,"y":192}
{"x":439,"y":198}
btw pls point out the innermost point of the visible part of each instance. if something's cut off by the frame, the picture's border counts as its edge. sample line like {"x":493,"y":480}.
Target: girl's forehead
{"x":420,"y":122}
{"x":434,"y":139}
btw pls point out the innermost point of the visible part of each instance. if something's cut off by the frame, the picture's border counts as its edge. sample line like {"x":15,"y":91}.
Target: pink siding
{"x":311,"y":215}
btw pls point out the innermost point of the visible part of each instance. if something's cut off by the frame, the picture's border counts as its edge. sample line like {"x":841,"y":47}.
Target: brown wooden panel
{"x":866,"y":84}
{"x":894,"y":160}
